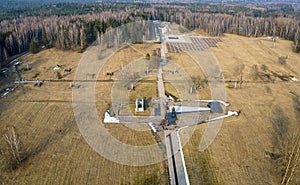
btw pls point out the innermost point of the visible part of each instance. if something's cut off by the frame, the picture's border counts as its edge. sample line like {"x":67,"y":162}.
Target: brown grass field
{"x":58,"y":154}
{"x":185,"y":62}
{"x":241,"y":152}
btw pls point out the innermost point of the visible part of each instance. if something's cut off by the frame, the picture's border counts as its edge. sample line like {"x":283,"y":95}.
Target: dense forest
{"x":75,"y":25}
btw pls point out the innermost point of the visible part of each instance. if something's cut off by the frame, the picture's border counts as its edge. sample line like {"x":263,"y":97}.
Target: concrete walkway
{"x":177,"y":169}
{"x":160,"y":83}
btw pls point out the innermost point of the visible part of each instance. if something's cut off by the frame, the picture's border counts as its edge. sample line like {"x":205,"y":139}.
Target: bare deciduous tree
{"x":82,"y":38}
{"x":198,"y":82}
{"x":290,"y":158}
{"x":239,"y":68}
{"x":15,"y":151}
{"x":286,"y":144}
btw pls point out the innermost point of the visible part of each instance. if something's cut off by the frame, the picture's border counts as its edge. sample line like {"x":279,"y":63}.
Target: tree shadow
{"x":280,"y":123}
{"x":51,"y":138}
{"x":296,"y":103}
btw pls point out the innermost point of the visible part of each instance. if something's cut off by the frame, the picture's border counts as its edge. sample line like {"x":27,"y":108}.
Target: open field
{"x":243,"y":151}
{"x":57,"y":153}
{"x":200,"y":165}
{"x":255,"y":51}
{"x":186,"y":63}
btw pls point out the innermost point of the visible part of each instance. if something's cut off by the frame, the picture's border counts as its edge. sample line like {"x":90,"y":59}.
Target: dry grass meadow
{"x":189,"y":66}
{"x":241,"y":153}
{"x":57,"y":153}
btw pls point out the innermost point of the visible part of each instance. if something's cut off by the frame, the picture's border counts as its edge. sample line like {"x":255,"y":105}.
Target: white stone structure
{"x":139,"y":105}
{"x":109,"y":119}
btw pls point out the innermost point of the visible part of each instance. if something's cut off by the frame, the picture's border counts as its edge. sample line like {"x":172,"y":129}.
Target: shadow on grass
{"x":201,"y":167}
{"x":51,"y":138}
{"x":149,"y":179}
{"x":296,"y":103}
{"x":280,"y":123}
{"x":147,"y":102}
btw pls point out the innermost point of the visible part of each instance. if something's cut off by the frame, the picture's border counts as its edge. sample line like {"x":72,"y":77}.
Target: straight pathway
{"x":177,"y":169}
{"x":160,"y":83}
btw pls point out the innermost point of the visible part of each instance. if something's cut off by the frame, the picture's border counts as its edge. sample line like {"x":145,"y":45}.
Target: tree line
{"x":62,"y":32}
{"x":217,"y":24}
{"x":77,"y":31}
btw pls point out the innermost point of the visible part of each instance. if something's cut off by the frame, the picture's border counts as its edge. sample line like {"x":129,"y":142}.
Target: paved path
{"x":160,"y":83}
{"x":177,"y":170}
